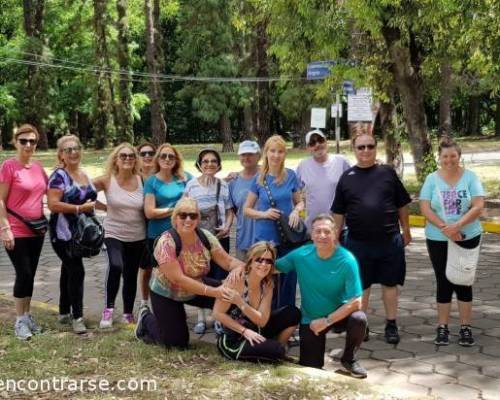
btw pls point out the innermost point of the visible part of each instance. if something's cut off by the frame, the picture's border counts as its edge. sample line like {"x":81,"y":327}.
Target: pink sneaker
{"x":128,"y":319}
{"x":107,"y":319}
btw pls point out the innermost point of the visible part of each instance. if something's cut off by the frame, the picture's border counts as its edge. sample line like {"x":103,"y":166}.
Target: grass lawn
{"x":94,"y":161}
{"x":117,"y":356}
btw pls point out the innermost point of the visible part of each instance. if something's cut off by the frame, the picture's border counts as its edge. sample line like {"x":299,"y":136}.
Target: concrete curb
{"x":488,"y":226}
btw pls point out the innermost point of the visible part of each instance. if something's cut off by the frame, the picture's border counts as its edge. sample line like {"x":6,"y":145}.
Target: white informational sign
{"x":318,"y":118}
{"x":359,"y":106}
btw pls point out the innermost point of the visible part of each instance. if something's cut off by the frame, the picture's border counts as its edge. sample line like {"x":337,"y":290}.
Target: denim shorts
{"x":379,"y":261}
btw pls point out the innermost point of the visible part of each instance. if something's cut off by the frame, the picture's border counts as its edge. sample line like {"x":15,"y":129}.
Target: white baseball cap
{"x":314,"y":132}
{"x":248,"y":146}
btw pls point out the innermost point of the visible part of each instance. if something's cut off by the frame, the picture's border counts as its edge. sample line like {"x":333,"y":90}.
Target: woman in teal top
{"x":461,"y":194}
{"x":162,"y":191}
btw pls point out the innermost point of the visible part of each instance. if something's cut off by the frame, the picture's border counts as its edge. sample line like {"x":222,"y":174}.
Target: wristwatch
{"x":328,"y":320}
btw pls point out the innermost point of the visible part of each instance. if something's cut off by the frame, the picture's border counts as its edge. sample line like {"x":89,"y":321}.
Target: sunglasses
{"x":315,"y":140}
{"x":69,"y":150}
{"x":124,"y":156}
{"x":262,"y":260}
{"x":24,"y":142}
{"x":362,"y":147}
{"x":167,"y":156}
{"x":184,"y":215}
{"x":147,"y":153}
{"x":206,"y":162}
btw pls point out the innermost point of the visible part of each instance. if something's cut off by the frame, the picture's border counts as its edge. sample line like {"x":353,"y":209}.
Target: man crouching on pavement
{"x":330,"y":286}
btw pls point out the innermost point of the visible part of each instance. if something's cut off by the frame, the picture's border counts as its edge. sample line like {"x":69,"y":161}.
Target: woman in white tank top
{"x":125,"y":229}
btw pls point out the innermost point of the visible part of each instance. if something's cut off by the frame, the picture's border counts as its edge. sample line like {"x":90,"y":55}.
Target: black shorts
{"x":381,"y":261}
{"x":148,"y":260}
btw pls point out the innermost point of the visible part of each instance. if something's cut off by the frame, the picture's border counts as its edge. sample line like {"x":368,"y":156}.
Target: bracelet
{"x":205,"y":291}
{"x":243,"y":331}
{"x":4,"y":228}
{"x":77,"y":210}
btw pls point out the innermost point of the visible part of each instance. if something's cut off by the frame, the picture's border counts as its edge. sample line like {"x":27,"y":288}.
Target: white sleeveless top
{"x":125,"y":219}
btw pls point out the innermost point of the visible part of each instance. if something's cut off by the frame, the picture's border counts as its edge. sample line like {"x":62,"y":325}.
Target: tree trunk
{"x":473,"y":112}
{"x":227,"y":138}
{"x":248,"y":121}
{"x":408,"y":81}
{"x":497,"y":117}
{"x":125,"y":121}
{"x":158,"y":124}
{"x":445,"y":86}
{"x":102,"y":105}
{"x":34,"y":99}
{"x":387,"y":126}
{"x":1,"y":139}
{"x":263,"y":106}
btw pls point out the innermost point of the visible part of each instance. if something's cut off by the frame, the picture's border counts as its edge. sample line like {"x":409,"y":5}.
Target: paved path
{"x":415,"y":367}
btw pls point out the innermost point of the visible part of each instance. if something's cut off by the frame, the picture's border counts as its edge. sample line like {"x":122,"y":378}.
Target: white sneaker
{"x":107,"y":319}
{"x":34,"y":327}
{"x":79,"y":326}
{"x":22,"y":330}
{"x":64,"y":319}
{"x":200,"y":328}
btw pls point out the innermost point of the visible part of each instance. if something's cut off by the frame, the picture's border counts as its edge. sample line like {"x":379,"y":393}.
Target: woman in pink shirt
{"x":23,"y":183}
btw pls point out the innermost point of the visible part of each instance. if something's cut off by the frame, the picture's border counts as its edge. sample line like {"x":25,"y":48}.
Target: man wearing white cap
{"x":249,"y":152}
{"x":319,"y":175}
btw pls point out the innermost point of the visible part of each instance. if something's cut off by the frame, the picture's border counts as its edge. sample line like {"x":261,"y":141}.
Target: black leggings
{"x":268,"y":351}
{"x":24,"y":258}
{"x":70,"y":282}
{"x":124,"y":259}
{"x":312,"y":347}
{"x":168,"y":325}
{"x":438,"y":253}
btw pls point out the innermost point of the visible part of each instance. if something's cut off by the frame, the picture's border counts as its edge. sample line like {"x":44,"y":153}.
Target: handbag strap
{"x":19,"y":217}
{"x":268,"y":191}
{"x":217,"y":195}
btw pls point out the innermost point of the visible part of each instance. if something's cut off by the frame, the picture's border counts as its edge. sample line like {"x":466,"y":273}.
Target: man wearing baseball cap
{"x":249,"y":153}
{"x":319,"y":175}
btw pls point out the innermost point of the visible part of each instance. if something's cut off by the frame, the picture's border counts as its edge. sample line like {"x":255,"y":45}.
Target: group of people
{"x":174,"y":229}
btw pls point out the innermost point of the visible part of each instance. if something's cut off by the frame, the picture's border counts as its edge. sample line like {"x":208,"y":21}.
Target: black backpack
{"x":178,"y":243}
{"x":87,"y":236}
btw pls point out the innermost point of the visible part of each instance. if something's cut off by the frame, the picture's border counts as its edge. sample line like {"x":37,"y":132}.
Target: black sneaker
{"x":391,"y":333}
{"x":354,"y":368}
{"x":466,"y":338}
{"x":140,"y":330}
{"x":442,"y":337}
{"x":367,"y":334}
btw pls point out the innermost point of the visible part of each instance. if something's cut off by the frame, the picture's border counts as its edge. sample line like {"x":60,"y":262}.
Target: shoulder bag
{"x":37,"y":226}
{"x":461,"y":263}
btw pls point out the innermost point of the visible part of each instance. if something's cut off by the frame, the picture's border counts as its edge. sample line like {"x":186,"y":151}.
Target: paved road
{"x":414,"y":367}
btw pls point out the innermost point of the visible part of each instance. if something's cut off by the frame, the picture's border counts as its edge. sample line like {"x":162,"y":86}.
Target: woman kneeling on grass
{"x":181,"y":278}
{"x":251,"y":331}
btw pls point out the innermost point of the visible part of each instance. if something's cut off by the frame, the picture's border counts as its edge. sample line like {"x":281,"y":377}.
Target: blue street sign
{"x":348,"y":87}
{"x":319,"y":69}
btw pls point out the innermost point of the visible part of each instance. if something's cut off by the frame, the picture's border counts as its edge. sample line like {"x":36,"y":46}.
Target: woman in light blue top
{"x":461,"y":194}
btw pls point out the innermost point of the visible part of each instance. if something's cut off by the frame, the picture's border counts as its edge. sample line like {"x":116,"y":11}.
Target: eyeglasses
{"x":69,"y":150}
{"x":262,"y":260}
{"x":362,"y":147}
{"x":167,"y":156}
{"x":212,"y":161}
{"x":24,"y":142}
{"x":147,"y":153}
{"x":315,"y":140}
{"x":184,"y":215}
{"x":124,"y":156}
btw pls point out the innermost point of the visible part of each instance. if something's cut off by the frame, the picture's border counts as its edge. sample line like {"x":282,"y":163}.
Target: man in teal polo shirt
{"x":331,"y":291}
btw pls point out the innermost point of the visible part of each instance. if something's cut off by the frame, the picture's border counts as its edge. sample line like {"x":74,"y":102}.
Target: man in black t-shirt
{"x":373,"y":203}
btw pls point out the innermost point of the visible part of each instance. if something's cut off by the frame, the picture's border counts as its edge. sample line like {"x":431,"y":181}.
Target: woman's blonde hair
{"x":24,"y":128}
{"x":257,"y":250}
{"x":178,"y":169}
{"x":275,"y":140}
{"x":182,"y":203}
{"x":60,"y":147}
{"x":111,"y":167}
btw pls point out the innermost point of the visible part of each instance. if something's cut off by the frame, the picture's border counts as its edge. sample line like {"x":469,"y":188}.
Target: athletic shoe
{"x":79,"y":326}
{"x":293,"y":342}
{"x":140,"y":330}
{"x":442,"y":337}
{"x":391,"y":333}
{"x":64,"y":319}
{"x":200,"y":328}
{"x":128,"y":319}
{"x":22,"y":330}
{"x":218,"y":328}
{"x":34,"y":327}
{"x":107,"y":319}
{"x":367,"y":334}
{"x":466,"y":338}
{"x":354,"y":368}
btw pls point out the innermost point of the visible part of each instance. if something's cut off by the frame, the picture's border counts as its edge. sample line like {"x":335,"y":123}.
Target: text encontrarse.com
{"x":64,"y":384}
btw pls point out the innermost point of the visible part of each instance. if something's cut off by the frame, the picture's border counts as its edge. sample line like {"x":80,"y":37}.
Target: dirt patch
{"x":7,"y":310}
